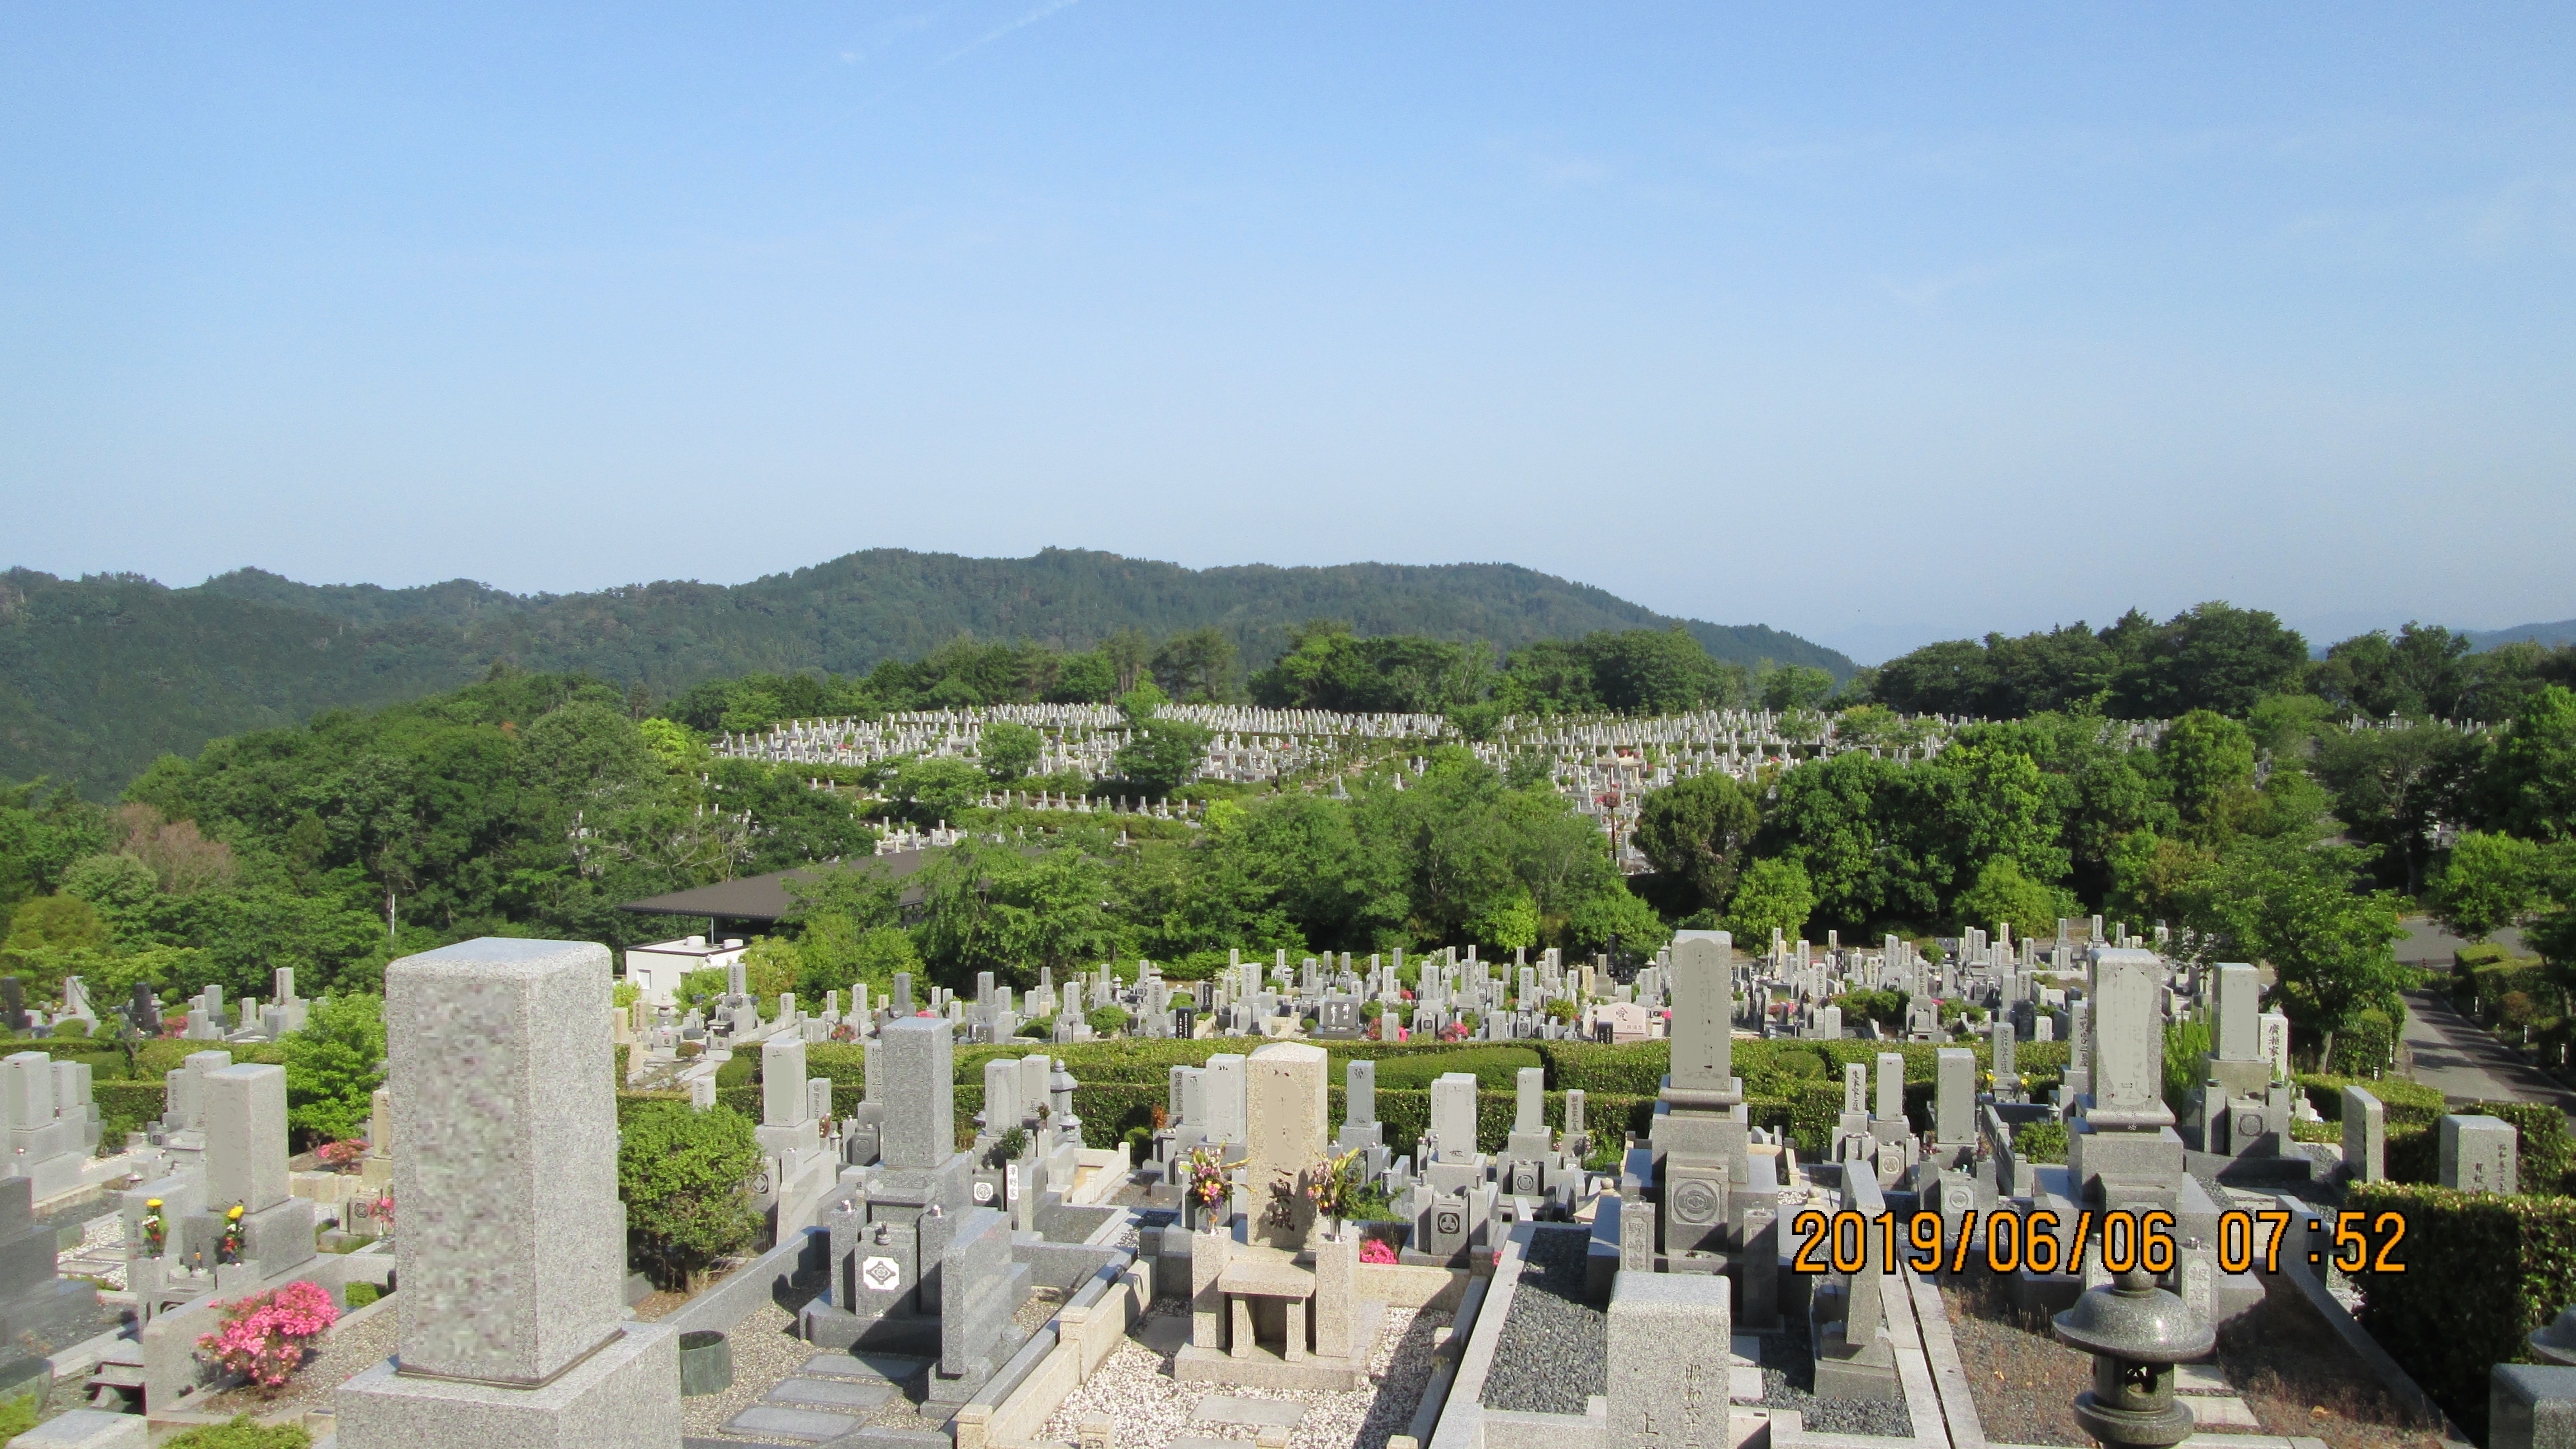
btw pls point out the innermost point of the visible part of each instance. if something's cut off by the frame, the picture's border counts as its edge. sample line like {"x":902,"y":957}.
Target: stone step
{"x":848,"y":1395}
{"x":2199,"y":1378}
{"x":808,"y":1425}
{"x":1231,"y":1409}
{"x":2222,"y":1411}
{"x":889,"y":1367}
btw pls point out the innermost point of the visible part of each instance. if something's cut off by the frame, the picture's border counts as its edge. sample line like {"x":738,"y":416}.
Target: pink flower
{"x":264,"y":1337}
{"x":1376,"y":1250}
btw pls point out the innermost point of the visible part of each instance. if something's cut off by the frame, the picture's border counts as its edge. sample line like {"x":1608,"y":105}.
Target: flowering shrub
{"x":1376,"y":1250}
{"x":264,"y":1336}
{"x":340,"y":1156}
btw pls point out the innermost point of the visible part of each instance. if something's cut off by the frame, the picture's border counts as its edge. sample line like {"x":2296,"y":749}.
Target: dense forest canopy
{"x":100,"y":675}
{"x":2284,"y":816}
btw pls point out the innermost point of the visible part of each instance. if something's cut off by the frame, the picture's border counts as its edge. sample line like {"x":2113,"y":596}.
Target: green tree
{"x":2418,"y":673}
{"x":333,"y":1067}
{"x":2208,"y":760}
{"x":1696,"y":831}
{"x":2391,"y":788}
{"x":1197,"y":665}
{"x":931,"y":790}
{"x":1616,"y":919}
{"x":1161,"y":754}
{"x":121,"y":890}
{"x":992,"y":907}
{"x":1795,"y":687}
{"x":1774,"y":895}
{"x":1009,"y":751}
{"x":2528,"y":784}
{"x":56,"y":923}
{"x":684,"y":1177}
{"x":2293,"y":905}
{"x":2490,"y":881}
{"x":1084,"y":678}
{"x":2004,"y":893}
{"x":2215,"y":657}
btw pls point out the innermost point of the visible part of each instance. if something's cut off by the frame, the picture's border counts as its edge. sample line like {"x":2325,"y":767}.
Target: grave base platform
{"x":1845,"y":1373}
{"x":626,"y":1396}
{"x":841,"y":1331}
{"x":1266,"y":1368}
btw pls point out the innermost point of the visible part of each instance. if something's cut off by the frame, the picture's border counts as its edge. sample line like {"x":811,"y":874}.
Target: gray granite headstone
{"x":920,"y":1128}
{"x":2477,"y":1153}
{"x":513,"y":1259}
{"x":1671,"y":1344}
{"x":2365,"y":1136}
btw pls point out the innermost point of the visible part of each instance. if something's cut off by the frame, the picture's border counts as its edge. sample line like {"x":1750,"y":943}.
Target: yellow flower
{"x":234,"y":1212}
{"x":153,"y":1203}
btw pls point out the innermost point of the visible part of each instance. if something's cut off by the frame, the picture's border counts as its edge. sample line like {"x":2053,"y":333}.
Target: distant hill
{"x":99,"y":675}
{"x":2562,"y":632}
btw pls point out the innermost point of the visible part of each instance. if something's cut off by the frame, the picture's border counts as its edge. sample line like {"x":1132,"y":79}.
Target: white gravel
{"x":1135,"y":1388}
{"x":766,"y":1350}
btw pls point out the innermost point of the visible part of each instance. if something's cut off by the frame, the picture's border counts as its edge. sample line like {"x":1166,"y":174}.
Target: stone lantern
{"x":2555,"y":1341}
{"x":2136,"y":1333}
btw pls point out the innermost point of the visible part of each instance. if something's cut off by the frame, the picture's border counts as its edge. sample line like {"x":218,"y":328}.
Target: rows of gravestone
{"x":514,"y":1250}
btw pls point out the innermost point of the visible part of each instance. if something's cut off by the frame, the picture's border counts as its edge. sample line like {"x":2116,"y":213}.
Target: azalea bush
{"x":340,"y":1156}
{"x":1376,"y":1250}
{"x":264,"y":1337}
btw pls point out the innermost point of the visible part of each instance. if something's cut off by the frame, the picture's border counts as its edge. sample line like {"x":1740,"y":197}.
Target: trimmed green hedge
{"x":2406,"y":1104}
{"x":2482,"y":1270}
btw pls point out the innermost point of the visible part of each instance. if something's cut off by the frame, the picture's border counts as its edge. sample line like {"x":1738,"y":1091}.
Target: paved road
{"x":2465,"y":1064}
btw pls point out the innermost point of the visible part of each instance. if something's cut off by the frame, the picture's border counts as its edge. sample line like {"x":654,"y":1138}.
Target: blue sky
{"x":1881,"y":324}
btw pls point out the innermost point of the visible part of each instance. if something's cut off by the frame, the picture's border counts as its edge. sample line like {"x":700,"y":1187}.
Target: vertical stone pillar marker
{"x":512,"y":1255}
{"x":1285,"y":1131}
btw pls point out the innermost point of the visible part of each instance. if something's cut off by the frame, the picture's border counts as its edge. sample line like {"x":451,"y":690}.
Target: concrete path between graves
{"x":2454,"y":1057}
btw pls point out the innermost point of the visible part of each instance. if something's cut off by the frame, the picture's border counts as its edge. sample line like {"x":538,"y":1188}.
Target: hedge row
{"x":2482,"y":1270}
{"x":1636,"y":1069}
{"x":2544,"y":1155}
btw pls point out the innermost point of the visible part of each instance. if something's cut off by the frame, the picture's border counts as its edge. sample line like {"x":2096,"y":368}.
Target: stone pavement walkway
{"x":2454,"y":1057}
{"x":832,"y":1394}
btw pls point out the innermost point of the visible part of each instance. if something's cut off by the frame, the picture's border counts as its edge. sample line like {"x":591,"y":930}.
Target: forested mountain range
{"x":99,"y":675}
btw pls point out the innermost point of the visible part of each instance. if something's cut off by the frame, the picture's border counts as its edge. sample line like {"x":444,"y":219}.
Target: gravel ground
{"x":2283,"y":1360}
{"x":1135,"y":1387}
{"x":1554,"y":1350}
{"x":345,"y":1354}
{"x":1789,"y":1382}
{"x":765,"y":1351}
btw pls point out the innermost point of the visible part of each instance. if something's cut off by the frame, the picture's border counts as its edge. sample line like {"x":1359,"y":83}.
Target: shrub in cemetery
{"x":243,"y":1433}
{"x":2366,"y":1044}
{"x":682,"y":1175}
{"x":264,"y":1338}
{"x":2041,"y":1141}
{"x":2482,"y":1270}
{"x":72,"y":1028}
{"x":334,"y":1065}
{"x":1107,"y":1020}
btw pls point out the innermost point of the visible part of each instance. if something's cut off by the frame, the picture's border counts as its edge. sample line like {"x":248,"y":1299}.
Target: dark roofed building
{"x":754,"y":904}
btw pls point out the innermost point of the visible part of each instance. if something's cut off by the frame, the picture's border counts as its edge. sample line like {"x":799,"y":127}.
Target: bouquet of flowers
{"x":1334,"y":1185}
{"x":156,"y":1228}
{"x":264,"y":1337}
{"x":1205,"y":1171}
{"x":228,"y":1248}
